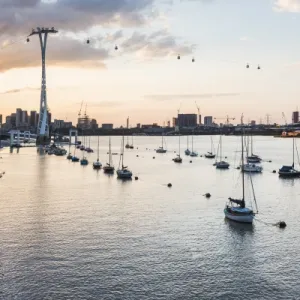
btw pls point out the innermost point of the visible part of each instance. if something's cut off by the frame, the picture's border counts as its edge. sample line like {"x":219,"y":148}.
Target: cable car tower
{"x":43,"y":126}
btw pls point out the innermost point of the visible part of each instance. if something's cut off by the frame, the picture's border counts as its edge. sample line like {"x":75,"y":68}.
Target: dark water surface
{"x":69,"y":232}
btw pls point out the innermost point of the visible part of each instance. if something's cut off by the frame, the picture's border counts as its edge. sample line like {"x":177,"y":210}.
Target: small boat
{"x":161,"y":149}
{"x":221,"y":164}
{"x":236,"y":209}
{"x":75,"y":159}
{"x":289,"y":171}
{"x":251,"y":168}
{"x":193,"y":153}
{"x":123,"y":172}
{"x":187,"y":151}
{"x":109,"y":168}
{"x":89,"y":149}
{"x":178,"y":159}
{"x":210,"y":154}
{"x":127,"y":146}
{"x":97,"y":164}
{"x":84,"y":161}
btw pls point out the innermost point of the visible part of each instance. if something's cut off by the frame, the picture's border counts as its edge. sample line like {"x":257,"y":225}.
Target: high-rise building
{"x":49,"y":117}
{"x":8,"y":121}
{"x":18,"y":117}
{"x":94,"y":124}
{"x":138,"y":125}
{"x":127,"y":123}
{"x":13,"y":120}
{"x":24,"y":120}
{"x":33,"y":119}
{"x":200,"y":119}
{"x":295,"y":117}
{"x":208,"y":121}
{"x":187,"y":120}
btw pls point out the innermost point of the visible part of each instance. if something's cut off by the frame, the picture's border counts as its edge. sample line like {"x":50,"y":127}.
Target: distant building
{"x":169,"y":124}
{"x":295,"y":117}
{"x":200,"y":119}
{"x":57,"y":124}
{"x":8,"y":122}
{"x":138,"y":125}
{"x":174,"y":122}
{"x":253,"y":123}
{"x":187,"y":120}
{"x":33,"y":119}
{"x":49,"y":117}
{"x":127,"y":123}
{"x":208,"y":121}
{"x":13,"y":120}
{"x":24,"y":120}
{"x":18,"y":117}
{"x":107,"y":126}
{"x":94,"y":124}
{"x":0,"y":119}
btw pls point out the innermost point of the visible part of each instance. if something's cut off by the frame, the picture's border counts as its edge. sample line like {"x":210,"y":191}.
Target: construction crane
{"x":79,"y":113}
{"x":227,"y":119}
{"x":178,"y":111}
{"x":199,"y":114}
{"x":284,"y":118}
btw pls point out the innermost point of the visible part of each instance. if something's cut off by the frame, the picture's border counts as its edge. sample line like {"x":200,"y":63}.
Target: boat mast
{"x":123,"y":152}
{"x":162,"y":141}
{"x":187,"y":141}
{"x":293,"y":152}
{"x":179,"y":144}
{"x":243,"y":173}
{"x":221,"y":147}
{"x":251,"y":144}
{"x":98,"y":149}
{"x":192,"y":143}
{"x":109,"y":153}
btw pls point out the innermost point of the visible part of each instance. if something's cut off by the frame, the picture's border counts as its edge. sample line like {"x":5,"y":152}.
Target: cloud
{"x":75,"y":19}
{"x":287,"y":6}
{"x":16,"y":91}
{"x":189,"y":96}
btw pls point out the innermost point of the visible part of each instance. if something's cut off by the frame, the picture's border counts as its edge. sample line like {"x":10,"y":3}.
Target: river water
{"x":70,"y":232}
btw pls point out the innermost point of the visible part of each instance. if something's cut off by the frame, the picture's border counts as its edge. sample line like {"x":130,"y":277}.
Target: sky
{"x":143,"y":79}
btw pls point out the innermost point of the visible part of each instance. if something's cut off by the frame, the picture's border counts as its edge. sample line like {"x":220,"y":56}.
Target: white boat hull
{"x":241,"y":219}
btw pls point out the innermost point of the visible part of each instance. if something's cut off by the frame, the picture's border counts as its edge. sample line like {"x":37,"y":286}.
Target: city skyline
{"x":144,"y":79}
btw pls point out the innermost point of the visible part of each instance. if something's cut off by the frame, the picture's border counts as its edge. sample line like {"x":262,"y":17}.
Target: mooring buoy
{"x":169,"y":185}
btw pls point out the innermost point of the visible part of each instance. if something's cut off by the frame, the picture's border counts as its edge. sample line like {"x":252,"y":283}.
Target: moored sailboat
{"x":178,"y":158}
{"x":161,"y":149}
{"x":97,"y":164}
{"x":221,"y":164}
{"x":290,"y":171}
{"x":210,"y":154}
{"x":109,"y":168}
{"x":123,"y":172}
{"x":236,"y":209}
{"x":193,"y":153}
{"x":187,"y":151}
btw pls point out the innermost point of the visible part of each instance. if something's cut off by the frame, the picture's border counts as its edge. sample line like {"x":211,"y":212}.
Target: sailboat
{"x":109,"y":168}
{"x":193,"y":153}
{"x":161,"y":149}
{"x":97,"y":164}
{"x":131,"y":146}
{"x":289,"y":171}
{"x":251,"y":167}
{"x":253,"y":158}
{"x":221,"y":164}
{"x":236,"y":209}
{"x":187,"y":151}
{"x":69,"y":157}
{"x":84,"y":160}
{"x":127,"y":144}
{"x":210,"y":154}
{"x":123,"y":173}
{"x":89,"y":149}
{"x":74,"y":157}
{"x":178,"y":159}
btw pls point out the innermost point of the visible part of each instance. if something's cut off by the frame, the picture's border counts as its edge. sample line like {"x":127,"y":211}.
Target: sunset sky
{"x":144,"y":79}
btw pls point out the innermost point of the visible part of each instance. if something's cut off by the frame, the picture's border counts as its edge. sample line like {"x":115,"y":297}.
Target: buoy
{"x":169,"y":185}
{"x":207,"y":195}
{"x":226,"y":157}
{"x":281,"y":224}
{"x":116,"y":48}
{"x":146,"y":148}
{"x":137,"y":156}
{"x":136,"y":178}
{"x":201,"y":155}
{"x":270,"y":161}
{"x":174,"y":151}
{"x":191,"y":161}
{"x":153,"y":157}
{"x":238,"y":168}
{"x":274,"y":171}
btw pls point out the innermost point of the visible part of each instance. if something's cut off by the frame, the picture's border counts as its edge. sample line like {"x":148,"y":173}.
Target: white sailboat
{"x":193,"y":153}
{"x":187,"y":151}
{"x":221,"y":164}
{"x":109,"y":168}
{"x":211,"y":153}
{"x":123,"y":172}
{"x":161,"y":149}
{"x":236,"y":209}
{"x":97,"y":164}
{"x":178,"y":158}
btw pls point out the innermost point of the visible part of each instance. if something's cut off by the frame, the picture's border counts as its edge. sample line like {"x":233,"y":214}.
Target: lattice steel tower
{"x":43,"y":126}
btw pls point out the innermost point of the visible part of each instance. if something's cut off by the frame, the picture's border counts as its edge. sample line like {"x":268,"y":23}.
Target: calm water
{"x":69,"y":232}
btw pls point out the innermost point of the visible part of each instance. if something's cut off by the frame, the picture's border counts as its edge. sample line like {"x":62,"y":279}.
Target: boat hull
{"x":108,"y":170}
{"x":247,"y":218}
{"x":289,"y":175}
{"x":124,"y":175}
